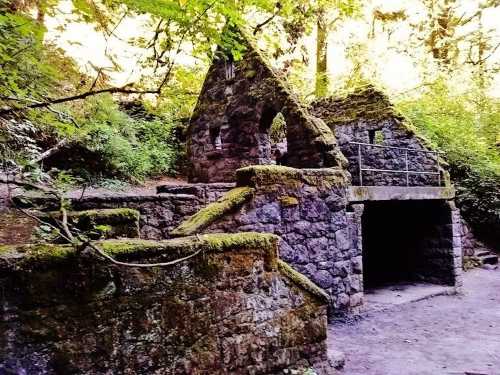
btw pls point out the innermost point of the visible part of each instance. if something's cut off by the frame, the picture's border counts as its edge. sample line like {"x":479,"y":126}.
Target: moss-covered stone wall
{"x":308,"y":209}
{"x":232,"y":309}
{"x":159,"y":213}
{"x":367,"y":116}
{"x":230,"y":125}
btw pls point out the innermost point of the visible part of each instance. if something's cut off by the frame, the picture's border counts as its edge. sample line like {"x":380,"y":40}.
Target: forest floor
{"x":444,"y":335}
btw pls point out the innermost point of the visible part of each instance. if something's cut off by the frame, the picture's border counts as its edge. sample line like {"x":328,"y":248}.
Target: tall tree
{"x":328,"y":14}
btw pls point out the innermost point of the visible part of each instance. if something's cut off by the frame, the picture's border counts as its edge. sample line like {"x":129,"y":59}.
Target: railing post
{"x":438,"y":169}
{"x":359,"y":166}
{"x":407,"y":173}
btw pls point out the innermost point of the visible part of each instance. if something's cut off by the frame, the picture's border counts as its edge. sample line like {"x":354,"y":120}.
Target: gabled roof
{"x":367,"y":103}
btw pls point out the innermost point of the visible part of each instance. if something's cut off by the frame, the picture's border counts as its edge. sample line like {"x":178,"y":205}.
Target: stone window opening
{"x":215,"y":138}
{"x":375,"y":137}
{"x":272,"y":135}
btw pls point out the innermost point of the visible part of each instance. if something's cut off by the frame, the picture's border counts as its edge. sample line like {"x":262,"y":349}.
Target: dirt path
{"x":445,"y":335}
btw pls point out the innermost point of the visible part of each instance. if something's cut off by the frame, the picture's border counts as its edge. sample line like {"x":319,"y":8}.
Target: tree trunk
{"x":321,"y":57}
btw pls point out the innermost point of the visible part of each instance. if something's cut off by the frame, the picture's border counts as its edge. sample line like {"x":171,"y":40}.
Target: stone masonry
{"x":308,"y":210}
{"x":321,"y":231}
{"x":230,"y":126}
{"x":159,"y":213}
{"x":68,"y":314}
{"x":367,"y":116}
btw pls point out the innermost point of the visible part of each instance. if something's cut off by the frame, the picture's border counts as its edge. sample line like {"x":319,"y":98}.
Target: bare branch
{"x":51,"y":151}
{"x":265,"y":22}
{"x":112,"y":90}
{"x":79,"y":241}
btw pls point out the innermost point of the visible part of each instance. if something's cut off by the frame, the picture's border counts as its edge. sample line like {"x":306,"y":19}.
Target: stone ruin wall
{"x":322,"y":233}
{"x":159,"y":213}
{"x":230,"y":126}
{"x":231,"y":310}
{"x":354,"y":117}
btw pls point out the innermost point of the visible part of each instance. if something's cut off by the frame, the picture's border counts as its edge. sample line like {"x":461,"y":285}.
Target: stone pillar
{"x":354,"y":217}
{"x":456,"y":227}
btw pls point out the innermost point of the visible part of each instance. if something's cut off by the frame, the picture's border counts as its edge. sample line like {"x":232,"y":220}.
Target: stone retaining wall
{"x":159,"y":213}
{"x":322,"y":232}
{"x":308,"y":209}
{"x":234,"y":309}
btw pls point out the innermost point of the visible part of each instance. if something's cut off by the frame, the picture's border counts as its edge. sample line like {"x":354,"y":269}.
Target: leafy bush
{"x":132,"y":148}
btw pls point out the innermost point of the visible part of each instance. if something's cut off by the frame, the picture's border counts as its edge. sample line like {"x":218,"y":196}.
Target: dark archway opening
{"x":407,"y":241}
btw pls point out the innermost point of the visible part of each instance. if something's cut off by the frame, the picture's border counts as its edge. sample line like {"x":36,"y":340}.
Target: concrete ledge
{"x":401,"y":193}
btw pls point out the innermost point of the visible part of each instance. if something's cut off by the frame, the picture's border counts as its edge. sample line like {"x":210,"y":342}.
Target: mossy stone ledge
{"x":46,"y":256}
{"x":214,"y":211}
{"x":302,"y":281}
{"x":262,"y":175}
{"x":106,"y":223}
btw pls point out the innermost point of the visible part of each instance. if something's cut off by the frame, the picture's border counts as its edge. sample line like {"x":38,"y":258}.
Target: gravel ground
{"x":444,"y":335}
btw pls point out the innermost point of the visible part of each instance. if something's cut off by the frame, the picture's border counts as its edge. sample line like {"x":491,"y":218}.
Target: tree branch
{"x":77,"y":240}
{"x":112,"y":90}
{"x":264,"y":23}
{"x":51,"y":151}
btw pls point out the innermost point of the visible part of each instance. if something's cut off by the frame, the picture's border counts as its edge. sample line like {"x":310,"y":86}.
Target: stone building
{"x":231,"y":124}
{"x":373,"y":135}
{"x":386,"y":216}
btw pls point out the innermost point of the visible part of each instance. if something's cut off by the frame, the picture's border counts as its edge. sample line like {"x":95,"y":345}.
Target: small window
{"x":375,"y":137}
{"x":215,"y":138}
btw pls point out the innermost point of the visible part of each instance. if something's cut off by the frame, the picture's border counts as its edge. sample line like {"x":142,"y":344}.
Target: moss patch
{"x":287,"y":201}
{"x":39,"y":255}
{"x":367,"y":103}
{"x":259,"y":175}
{"x":262,"y":175}
{"x":103,"y":223}
{"x":302,"y":281}
{"x":104,"y":216}
{"x":214,"y":211}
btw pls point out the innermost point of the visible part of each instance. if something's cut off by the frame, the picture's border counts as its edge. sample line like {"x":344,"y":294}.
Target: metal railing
{"x":406,"y":171}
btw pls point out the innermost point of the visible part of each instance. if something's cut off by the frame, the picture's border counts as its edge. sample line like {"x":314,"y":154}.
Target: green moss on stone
{"x":107,"y":216}
{"x":39,"y":254}
{"x":29,"y":257}
{"x":302,"y":281}
{"x":367,"y":103}
{"x":258,"y":175}
{"x":103,"y":223}
{"x":214,"y":211}
{"x":114,"y":214}
{"x":287,"y":201}
{"x":262,"y":175}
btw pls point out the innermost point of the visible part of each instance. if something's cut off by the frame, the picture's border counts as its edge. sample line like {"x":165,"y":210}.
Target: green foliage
{"x":465,"y":127}
{"x":29,"y":68}
{"x":133,"y":148}
{"x":277,"y":132}
{"x":20,"y":48}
